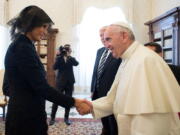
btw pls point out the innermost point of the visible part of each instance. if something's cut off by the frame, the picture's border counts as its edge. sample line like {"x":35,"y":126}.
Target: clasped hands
{"x":83,"y":106}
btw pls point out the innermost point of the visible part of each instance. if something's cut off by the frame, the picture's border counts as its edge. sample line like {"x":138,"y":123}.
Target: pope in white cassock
{"x":145,"y":96}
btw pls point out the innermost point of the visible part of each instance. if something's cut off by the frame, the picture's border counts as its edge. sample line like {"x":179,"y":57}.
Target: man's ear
{"x":161,"y":54}
{"x":125,"y":37}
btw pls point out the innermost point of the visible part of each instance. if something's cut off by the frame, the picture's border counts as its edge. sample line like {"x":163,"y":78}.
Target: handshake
{"x":83,"y":106}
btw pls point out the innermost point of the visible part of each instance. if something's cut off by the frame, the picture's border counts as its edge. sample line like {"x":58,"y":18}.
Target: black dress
{"x":28,"y":89}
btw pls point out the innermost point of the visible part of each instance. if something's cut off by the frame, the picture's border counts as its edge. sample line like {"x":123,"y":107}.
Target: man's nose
{"x":45,"y":31}
{"x":107,"y":45}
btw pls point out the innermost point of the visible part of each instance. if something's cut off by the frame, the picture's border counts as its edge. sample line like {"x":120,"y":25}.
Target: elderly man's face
{"x":115,"y":41}
{"x":101,"y":33}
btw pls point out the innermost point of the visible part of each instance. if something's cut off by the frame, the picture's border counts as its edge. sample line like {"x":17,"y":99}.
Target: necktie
{"x":101,"y":65}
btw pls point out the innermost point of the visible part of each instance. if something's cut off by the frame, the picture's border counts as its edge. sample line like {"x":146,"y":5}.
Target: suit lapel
{"x":98,"y":59}
{"x":108,"y":60}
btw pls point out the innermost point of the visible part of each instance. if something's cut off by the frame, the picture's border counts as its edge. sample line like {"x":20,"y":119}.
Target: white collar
{"x":129,"y":51}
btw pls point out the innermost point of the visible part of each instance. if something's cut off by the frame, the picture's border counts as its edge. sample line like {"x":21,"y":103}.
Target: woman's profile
{"x":26,"y":78}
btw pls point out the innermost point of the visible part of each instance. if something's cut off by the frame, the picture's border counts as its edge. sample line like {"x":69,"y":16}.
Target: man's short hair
{"x":157,"y":46}
{"x":103,"y":28}
{"x":67,"y":45}
{"x":125,"y":27}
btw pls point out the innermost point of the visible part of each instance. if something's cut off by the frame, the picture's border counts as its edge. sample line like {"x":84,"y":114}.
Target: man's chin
{"x":114,"y":55}
{"x":38,"y":39}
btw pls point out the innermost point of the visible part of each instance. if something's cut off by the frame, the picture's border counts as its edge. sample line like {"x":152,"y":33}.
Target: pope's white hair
{"x":125,"y":27}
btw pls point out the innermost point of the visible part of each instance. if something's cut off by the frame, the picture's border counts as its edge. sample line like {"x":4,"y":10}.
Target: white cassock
{"x":144,"y":97}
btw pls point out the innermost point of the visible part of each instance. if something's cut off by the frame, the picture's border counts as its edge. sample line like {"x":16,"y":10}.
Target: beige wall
{"x":61,"y":12}
{"x":133,"y":11}
{"x":68,"y":13}
{"x":83,"y":5}
{"x":3,"y":12}
{"x":141,"y":13}
{"x":161,"y":6}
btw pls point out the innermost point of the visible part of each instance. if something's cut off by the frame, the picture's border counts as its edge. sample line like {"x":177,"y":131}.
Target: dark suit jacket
{"x":28,"y":90}
{"x":176,"y":71}
{"x":65,"y":70}
{"x":107,"y":77}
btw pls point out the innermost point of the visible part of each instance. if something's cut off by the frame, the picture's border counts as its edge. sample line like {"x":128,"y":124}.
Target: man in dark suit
{"x":65,"y":79}
{"x":158,"y":49}
{"x":102,"y":79}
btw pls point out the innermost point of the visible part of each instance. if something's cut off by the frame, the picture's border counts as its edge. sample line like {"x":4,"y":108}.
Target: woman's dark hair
{"x":29,"y":18}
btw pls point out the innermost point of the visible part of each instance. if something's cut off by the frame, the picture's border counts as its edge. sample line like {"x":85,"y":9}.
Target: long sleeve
{"x":104,"y":106}
{"x":72,"y":61}
{"x":59,"y":63}
{"x":5,"y":86}
{"x":31,"y":70}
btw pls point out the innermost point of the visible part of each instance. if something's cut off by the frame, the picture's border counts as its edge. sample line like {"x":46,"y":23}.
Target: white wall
{"x":3,"y":12}
{"x":141,"y":14}
{"x":4,"y":42}
{"x":136,"y":12}
{"x":83,"y":5}
{"x":60,"y":11}
{"x":161,"y":6}
{"x":67,"y":14}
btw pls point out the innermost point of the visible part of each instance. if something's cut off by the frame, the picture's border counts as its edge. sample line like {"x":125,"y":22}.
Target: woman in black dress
{"x":25,"y":76}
